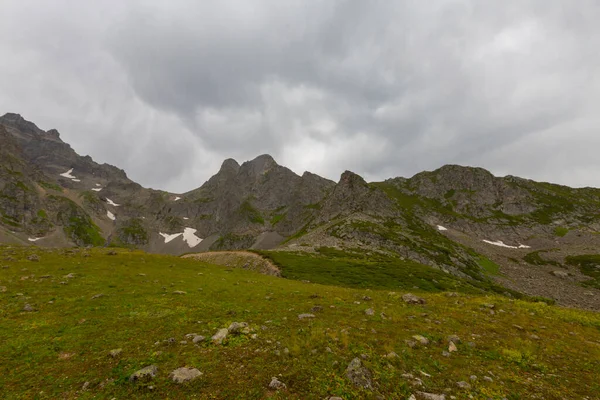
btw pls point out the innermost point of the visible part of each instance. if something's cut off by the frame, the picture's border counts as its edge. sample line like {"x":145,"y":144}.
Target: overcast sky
{"x":169,"y":89}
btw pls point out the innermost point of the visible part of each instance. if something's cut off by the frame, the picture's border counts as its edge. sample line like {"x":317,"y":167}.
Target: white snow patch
{"x":68,"y":174}
{"x":76,"y":180}
{"x":500,"y":243}
{"x":177,"y":198}
{"x":97,"y":184}
{"x":186,"y":218}
{"x":168,"y":237}
{"x":189,"y":237}
{"x":112,"y":203}
{"x":34,"y":239}
{"x":110,"y":215}
{"x":96,"y":189}
{"x":441,"y":228}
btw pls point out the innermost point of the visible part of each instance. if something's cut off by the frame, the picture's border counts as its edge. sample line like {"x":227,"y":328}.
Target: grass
{"x":250,"y":212}
{"x":561,"y":231}
{"x":534,"y":258}
{"x":589,"y":264}
{"x":52,"y":352}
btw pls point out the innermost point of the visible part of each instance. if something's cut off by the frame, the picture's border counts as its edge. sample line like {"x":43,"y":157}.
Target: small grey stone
{"x":305,"y":316}
{"x":220,"y":336}
{"x":421,"y":339}
{"x":34,"y":257}
{"x":145,"y":374}
{"x":28,"y":307}
{"x":369,"y":311}
{"x":473,"y":378}
{"x":237,"y":327}
{"x":358,"y":374}
{"x":114,"y":353}
{"x":85,"y":386}
{"x":198,"y":339}
{"x":410,"y":298}
{"x":463,"y":385}
{"x":3,"y":289}
{"x":316,"y":309}
{"x":97,"y":296}
{"x":430,"y":396}
{"x":181,"y":375}
{"x":455,"y":339}
{"x":276,"y":384}
{"x":179,"y":292}
{"x":488,"y":379}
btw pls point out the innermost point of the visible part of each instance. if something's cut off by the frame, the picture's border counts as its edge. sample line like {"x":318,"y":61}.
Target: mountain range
{"x":531,"y":237}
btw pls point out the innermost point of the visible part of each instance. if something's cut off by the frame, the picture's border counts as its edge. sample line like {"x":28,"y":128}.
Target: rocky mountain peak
{"x":352,"y":180}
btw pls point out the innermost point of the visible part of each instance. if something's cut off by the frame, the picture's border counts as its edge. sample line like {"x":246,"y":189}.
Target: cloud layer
{"x":167,"y":90}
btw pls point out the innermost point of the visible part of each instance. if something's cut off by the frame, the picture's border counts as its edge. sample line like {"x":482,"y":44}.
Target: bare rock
{"x":560,"y":274}
{"x":369,"y":312}
{"x":429,"y":396}
{"x":145,"y":374}
{"x":28,"y":308}
{"x":452,"y":347}
{"x":114,"y":353}
{"x":181,"y":375}
{"x":198,"y":338}
{"x":306,"y":316}
{"x":238,"y":327}
{"x":421,"y":339}
{"x":220,"y":336}
{"x":410,"y":298}
{"x":463,"y":385}
{"x":359,"y":375}
{"x":97,"y":296}
{"x":34,"y":258}
{"x":276,"y":384}
{"x":179,"y":292}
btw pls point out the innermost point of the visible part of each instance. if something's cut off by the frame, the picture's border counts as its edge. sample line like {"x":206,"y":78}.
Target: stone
{"x":421,"y":339}
{"x":276,"y":384}
{"x":114,"y":353}
{"x":454,"y":339}
{"x":220,"y":336}
{"x":179,"y":292}
{"x":410,"y":298}
{"x":335,"y":398}
{"x":391,"y":355}
{"x":28,"y":307}
{"x":316,"y":309}
{"x":473,"y":378}
{"x":111,"y":253}
{"x":410,"y":343}
{"x":451,"y":294}
{"x":369,"y":312}
{"x":3,"y":289}
{"x":85,"y":386}
{"x":181,"y":375}
{"x":97,"y":296}
{"x":145,"y":374}
{"x":488,"y":379}
{"x":366,"y":298}
{"x":198,"y":338}
{"x":429,"y":396}
{"x":237,"y":327}
{"x":69,"y":276}
{"x":34,"y":258}
{"x":359,"y":375}
{"x":305,"y":316}
{"x":452,"y":347}
{"x":560,"y":274}
{"x":463,"y":385}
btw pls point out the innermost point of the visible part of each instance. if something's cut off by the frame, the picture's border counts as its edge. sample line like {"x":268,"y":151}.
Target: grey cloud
{"x":382,"y":88}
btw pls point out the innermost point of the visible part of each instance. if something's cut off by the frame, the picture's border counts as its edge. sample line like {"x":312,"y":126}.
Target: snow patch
{"x":112,"y":203}
{"x":96,"y":189}
{"x":168,"y":237}
{"x":97,"y":184}
{"x":34,"y":239}
{"x":76,"y":180}
{"x":186,"y":218}
{"x":500,"y":243}
{"x":68,"y":174}
{"x":110,"y":215}
{"x":177,"y":198}
{"x":441,"y":228}
{"x":189,"y":237}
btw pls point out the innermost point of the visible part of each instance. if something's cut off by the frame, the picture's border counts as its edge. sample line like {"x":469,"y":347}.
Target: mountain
{"x":505,"y":234}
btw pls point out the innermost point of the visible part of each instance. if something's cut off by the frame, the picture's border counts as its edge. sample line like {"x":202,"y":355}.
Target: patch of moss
{"x":276,"y":218}
{"x":251,"y":213}
{"x":561,"y":231}
{"x":51,"y":186}
{"x":589,"y":264}
{"x":534,"y":258}
{"x":133,"y":232}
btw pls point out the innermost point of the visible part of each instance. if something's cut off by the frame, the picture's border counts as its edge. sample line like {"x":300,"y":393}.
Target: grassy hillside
{"x":515,"y":349}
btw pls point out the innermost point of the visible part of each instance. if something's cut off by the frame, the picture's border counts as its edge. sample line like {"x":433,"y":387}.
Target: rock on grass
{"x":359,"y":375}
{"x":220,"y":336}
{"x":145,"y":374}
{"x":181,"y":375}
{"x":410,"y":298}
{"x":276,"y":384}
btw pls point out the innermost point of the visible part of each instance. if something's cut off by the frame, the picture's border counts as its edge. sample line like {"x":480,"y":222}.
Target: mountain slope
{"x":462,"y":221}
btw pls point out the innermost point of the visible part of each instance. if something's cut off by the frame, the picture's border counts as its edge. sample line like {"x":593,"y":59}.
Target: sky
{"x":167,"y":90}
